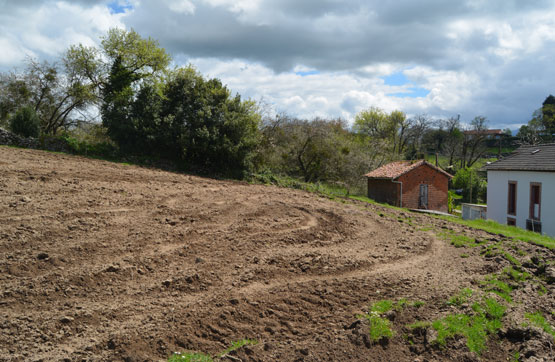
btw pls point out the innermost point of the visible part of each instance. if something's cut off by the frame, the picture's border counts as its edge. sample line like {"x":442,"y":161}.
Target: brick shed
{"x":410,"y":184}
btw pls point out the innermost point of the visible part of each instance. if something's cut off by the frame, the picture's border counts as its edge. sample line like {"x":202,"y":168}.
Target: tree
{"x":548,"y":115}
{"x":55,"y":91}
{"x":25,"y":123}
{"x":373,"y":123}
{"x":467,"y":179}
{"x":418,"y":127}
{"x":531,"y":133}
{"x":474,"y":146}
{"x":117,"y":97}
{"x":391,"y":130}
{"x":453,"y":140}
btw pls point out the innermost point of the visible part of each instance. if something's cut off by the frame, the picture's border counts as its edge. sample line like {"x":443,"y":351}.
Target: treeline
{"x":125,"y":98}
{"x":541,"y":127}
{"x":146,"y":108}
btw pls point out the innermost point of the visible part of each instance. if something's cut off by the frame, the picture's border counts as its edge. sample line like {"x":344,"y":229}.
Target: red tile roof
{"x":395,"y":169}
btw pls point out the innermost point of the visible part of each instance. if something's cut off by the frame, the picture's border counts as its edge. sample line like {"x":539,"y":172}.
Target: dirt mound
{"x":104,"y":261}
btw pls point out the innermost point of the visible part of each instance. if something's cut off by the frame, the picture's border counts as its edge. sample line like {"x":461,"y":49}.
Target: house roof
{"x":396,"y":169}
{"x":527,"y":158}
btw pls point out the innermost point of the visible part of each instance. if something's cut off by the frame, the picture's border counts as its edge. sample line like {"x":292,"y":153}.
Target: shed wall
{"x":383,"y":190}
{"x":438,"y":185}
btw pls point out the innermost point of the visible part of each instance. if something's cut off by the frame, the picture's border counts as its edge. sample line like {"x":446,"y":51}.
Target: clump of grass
{"x":190,"y":357}
{"x":511,"y":258}
{"x":238,"y":344}
{"x":516,"y":275}
{"x":380,"y":327}
{"x":475,"y":328}
{"x":418,"y":304}
{"x":462,"y":297}
{"x":492,"y":250}
{"x":510,"y":231}
{"x":382,"y":306}
{"x":492,"y":284}
{"x":459,"y":240}
{"x":538,"y":320}
{"x":203,"y":357}
{"x":420,"y":325}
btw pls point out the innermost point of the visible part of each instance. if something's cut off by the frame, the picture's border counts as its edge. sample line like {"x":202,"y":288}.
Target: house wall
{"x":498,"y":192}
{"x":437,"y":182}
{"x":383,"y":190}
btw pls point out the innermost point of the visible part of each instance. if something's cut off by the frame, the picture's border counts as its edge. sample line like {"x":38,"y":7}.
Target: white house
{"x":521,"y":189}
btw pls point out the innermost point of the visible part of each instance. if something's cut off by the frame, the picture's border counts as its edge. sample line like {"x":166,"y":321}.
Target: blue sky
{"x":326,"y":58}
{"x":409,"y":89}
{"x":119,"y":7}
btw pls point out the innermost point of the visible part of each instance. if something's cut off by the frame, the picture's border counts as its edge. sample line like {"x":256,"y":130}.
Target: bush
{"x":462,"y":180}
{"x":25,"y":123}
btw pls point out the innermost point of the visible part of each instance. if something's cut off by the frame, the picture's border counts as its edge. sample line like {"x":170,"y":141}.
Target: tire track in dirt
{"x":434,"y":251}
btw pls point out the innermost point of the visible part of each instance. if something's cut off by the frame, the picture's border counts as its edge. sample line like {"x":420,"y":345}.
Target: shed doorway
{"x":423,"y":199}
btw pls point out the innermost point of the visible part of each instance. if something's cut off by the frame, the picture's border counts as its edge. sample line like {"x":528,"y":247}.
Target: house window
{"x":535,"y":200}
{"x":511,"y":221}
{"x":511,"y":199}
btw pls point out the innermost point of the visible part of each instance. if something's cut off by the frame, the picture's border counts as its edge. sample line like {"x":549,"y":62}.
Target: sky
{"x":326,"y":58}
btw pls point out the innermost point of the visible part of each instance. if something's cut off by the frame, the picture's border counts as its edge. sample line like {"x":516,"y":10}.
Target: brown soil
{"x":104,"y":261}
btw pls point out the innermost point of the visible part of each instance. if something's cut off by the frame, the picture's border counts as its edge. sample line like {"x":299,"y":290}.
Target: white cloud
{"x":47,"y":29}
{"x":474,"y":57}
{"x":181,"y":6}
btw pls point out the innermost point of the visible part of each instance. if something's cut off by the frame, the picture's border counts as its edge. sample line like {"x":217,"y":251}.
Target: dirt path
{"x":104,"y":261}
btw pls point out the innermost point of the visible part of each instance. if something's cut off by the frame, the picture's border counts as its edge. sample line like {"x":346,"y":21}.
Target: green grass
{"x":380,"y":327}
{"x":509,"y":231}
{"x":461,"y":298}
{"x":492,"y":284}
{"x":486,"y":225}
{"x":458,"y":240}
{"x":238,"y":344}
{"x":538,"y":320}
{"x":475,"y":328}
{"x":516,"y":275}
{"x":203,"y":357}
{"x":382,"y":306}
{"x":190,"y":357}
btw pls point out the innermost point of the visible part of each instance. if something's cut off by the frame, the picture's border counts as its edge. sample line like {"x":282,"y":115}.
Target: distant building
{"x":410,"y":184}
{"x":521,"y":189}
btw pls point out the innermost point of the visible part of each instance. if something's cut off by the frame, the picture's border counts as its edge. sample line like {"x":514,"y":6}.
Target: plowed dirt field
{"x":102,"y":261}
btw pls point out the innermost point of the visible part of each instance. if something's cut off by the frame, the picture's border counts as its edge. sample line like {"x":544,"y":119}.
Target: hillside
{"x":106,"y":261}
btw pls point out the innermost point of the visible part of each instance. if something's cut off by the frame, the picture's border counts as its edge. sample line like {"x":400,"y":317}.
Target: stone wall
{"x":48,"y":143}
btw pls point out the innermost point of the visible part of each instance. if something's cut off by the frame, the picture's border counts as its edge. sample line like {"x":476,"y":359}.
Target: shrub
{"x":25,"y":123}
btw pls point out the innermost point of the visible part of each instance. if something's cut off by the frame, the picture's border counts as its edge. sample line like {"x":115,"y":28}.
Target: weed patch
{"x":461,"y":298}
{"x":459,"y":240}
{"x":203,"y":357}
{"x":516,"y":275}
{"x":538,"y":320}
{"x":492,"y":284}
{"x":475,"y":328}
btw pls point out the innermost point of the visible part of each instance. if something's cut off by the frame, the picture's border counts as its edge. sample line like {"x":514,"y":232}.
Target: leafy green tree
{"x":214,"y":131}
{"x":531,"y":133}
{"x":548,"y":115}
{"x":25,"y":123}
{"x":374,"y":123}
{"x":467,"y":178}
{"x":118,"y":97}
